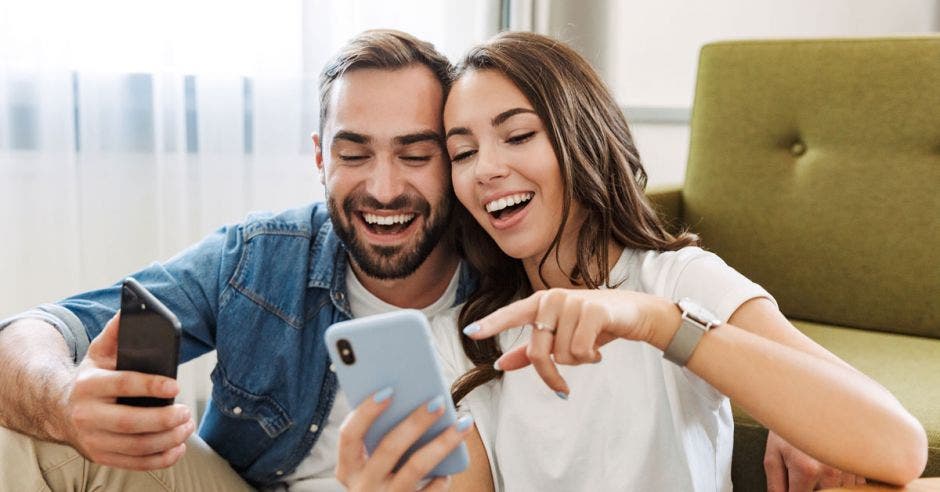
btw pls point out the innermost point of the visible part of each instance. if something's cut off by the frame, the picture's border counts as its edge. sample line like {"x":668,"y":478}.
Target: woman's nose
{"x":490,"y":165}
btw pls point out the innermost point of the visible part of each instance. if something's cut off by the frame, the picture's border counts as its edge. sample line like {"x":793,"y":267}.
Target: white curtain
{"x":129,"y":130}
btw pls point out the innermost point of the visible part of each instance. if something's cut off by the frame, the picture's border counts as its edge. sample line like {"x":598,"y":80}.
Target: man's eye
{"x":416,"y":158}
{"x":518,"y":139}
{"x":352,"y":157}
{"x":462,"y":156}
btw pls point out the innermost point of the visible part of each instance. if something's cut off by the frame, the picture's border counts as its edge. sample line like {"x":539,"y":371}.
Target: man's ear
{"x":318,"y":157}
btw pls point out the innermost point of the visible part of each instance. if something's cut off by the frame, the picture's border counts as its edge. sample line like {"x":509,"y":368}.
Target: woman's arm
{"x":477,"y":477}
{"x":820,"y":405}
{"x":805,"y":394}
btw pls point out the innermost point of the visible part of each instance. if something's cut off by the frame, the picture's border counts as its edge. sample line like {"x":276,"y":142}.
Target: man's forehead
{"x":386,"y":103}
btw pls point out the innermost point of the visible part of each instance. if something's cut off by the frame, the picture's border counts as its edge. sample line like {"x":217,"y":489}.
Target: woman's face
{"x":504,"y":169}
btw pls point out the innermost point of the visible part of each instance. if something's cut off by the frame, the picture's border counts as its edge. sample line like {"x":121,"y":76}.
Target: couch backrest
{"x":814,"y":169}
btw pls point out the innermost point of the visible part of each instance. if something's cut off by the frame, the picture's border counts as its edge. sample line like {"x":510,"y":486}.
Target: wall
{"x":648,"y":51}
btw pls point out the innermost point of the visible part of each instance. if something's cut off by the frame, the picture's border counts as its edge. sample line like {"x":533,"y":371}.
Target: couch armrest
{"x":667,"y":201}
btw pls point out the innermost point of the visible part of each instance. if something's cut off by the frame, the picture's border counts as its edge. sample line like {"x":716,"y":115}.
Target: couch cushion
{"x":907,"y":366}
{"x":813,"y":169}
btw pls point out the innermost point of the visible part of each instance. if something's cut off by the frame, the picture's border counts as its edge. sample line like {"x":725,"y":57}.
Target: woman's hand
{"x":357,"y":470}
{"x":569,"y":325}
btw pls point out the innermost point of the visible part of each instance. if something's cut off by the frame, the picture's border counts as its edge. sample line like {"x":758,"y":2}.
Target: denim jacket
{"x":261,"y":293}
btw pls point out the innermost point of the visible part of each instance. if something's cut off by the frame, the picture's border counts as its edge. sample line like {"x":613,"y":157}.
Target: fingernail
{"x":436,"y":404}
{"x":463,"y":423}
{"x":496,"y":365}
{"x":382,"y":395}
{"x":562,"y":395}
{"x":471,"y":329}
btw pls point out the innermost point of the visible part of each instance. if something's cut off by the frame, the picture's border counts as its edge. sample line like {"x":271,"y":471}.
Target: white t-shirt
{"x":317,"y":471}
{"x":634,"y":421}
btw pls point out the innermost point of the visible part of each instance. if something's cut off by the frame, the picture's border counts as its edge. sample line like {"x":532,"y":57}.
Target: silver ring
{"x":538,"y":325}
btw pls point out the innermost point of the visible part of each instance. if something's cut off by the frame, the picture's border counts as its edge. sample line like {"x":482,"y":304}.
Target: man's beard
{"x":390,"y":262}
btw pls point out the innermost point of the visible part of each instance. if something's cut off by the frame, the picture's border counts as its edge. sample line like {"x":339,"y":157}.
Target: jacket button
{"x":798,"y":148}
{"x":314,"y":428}
{"x":339,"y":296}
{"x":237,"y":410}
{"x":279,"y":472}
{"x":332,"y":367}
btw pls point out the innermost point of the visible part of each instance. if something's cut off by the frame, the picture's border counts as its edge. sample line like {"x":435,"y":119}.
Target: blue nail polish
{"x":435,"y":404}
{"x":562,"y":395}
{"x":463,"y":423}
{"x":383,"y":394}
{"x":471,"y":329}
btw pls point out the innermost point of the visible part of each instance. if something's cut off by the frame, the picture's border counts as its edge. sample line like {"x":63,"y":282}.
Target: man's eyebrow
{"x":353,"y":137}
{"x":509,"y":113}
{"x":418,"y":137}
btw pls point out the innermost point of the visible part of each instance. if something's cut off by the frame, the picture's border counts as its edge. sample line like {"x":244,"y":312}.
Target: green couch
{"x":814,"y":169}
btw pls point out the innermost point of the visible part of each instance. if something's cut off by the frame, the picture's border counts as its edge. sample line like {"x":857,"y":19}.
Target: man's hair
{"x":385,"y":49}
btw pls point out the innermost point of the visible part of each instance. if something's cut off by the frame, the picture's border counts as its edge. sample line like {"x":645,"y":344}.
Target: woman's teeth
{"x":508,"y":201}
{"x":373,"y":219}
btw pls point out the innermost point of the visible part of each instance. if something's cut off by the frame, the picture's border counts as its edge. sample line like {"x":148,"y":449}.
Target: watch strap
{"x":682,"y":345}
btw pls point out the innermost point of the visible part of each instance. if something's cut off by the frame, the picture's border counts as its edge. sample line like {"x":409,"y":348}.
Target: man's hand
{"x":790,"y":470}
{"x":116,"y":435}
{"x":356,"y":470}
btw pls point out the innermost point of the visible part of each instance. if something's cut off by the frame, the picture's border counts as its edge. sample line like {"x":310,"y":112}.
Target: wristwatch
{"x":696,"y":320}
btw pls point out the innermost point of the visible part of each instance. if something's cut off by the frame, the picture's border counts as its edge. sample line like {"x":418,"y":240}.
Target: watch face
{"x":698,"y":313}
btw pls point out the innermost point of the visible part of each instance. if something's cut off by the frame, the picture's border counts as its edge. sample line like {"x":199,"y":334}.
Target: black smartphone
{"x":148,"y":339}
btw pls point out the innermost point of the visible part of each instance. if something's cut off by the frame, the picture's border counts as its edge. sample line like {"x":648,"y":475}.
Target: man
{"x":261,"y":293}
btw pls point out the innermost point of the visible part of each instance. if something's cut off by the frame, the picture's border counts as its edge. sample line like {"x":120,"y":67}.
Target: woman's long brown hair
{"x":600,"y":170}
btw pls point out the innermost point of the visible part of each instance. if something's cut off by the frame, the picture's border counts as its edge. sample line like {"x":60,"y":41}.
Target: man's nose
{"x":386,"y":182}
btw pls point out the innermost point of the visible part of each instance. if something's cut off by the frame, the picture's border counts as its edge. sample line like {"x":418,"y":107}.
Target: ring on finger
{"x":538,"y":325}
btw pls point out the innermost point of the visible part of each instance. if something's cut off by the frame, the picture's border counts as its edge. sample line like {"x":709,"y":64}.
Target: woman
{"x":555,"y":220}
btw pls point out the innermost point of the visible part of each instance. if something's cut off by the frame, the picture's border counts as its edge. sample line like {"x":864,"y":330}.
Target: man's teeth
{"x":508,"y":201}
{"x":388,"y":219}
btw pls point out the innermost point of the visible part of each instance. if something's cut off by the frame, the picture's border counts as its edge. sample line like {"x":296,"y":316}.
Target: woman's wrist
{"x":663,"y":321}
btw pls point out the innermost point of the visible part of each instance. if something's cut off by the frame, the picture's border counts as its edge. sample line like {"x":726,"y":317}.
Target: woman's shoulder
{"x":650,"y":270}
{"x":690,"y":272}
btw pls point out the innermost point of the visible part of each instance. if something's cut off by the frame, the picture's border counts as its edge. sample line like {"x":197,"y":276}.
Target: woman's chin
{"x":519,"y":249}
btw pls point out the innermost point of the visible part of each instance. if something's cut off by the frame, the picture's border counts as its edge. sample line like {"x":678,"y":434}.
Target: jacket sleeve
{"x":192,"y":284}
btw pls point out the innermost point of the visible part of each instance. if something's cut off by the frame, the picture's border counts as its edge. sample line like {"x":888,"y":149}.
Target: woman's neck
{"x":558,"y":267}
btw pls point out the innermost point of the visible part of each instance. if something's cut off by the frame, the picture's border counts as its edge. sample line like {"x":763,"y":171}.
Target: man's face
{"x":381,"y":161}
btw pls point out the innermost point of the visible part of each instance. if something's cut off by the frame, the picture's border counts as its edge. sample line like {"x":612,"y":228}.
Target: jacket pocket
{"x":241,"y":425}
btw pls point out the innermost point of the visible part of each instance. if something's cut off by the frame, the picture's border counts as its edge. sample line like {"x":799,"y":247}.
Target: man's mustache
{"x":412,"y":202}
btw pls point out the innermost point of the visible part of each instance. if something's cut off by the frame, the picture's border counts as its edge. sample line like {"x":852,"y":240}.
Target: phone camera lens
{"x":345,"y":351}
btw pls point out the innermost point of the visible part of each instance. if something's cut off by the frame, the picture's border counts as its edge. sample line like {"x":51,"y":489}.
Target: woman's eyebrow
{"x":509,"y":113}
{"x":497,"y":120}
{"x":458,"y":130}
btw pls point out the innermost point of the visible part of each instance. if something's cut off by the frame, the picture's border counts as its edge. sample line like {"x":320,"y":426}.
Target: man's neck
{"x":420,"y":289}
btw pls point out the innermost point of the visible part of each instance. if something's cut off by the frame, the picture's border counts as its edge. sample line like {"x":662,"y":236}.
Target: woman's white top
{"x":634,"y":421}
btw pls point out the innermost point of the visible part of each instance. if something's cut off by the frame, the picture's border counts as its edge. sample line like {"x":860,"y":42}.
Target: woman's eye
{"x":518,"y":139}
{"x":416,"y":158}
{"x":462,"y":155}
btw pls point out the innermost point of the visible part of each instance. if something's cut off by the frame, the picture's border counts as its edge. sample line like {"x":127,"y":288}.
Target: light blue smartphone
{"x":394,"y":350}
